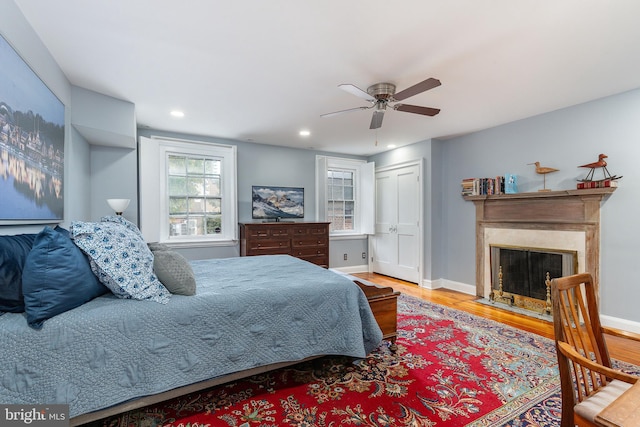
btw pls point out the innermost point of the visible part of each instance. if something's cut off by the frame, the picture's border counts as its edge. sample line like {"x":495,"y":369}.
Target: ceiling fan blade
{"x":430,"y":83}
{"x":416,"y":109}
{"x":354,"y":90}
{"x":376,"y":120}
{"x":335,"y":113}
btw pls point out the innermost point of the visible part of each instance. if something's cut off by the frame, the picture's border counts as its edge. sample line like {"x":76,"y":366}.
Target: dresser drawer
{"x":321,"y":260}
{"x":309,"y":252}
{"x":267,"y":232}
{"x":317,"y":230}
{"x":262,"y":245}
{"x":309,"y":241}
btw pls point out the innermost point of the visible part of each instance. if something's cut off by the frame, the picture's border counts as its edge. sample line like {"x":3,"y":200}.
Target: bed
{"x":248,"y":315}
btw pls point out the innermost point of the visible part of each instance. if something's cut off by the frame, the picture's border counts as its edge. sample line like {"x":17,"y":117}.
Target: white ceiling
{"x":261,"y":71}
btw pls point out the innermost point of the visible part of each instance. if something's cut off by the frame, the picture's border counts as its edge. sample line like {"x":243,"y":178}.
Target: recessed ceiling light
{"x":176,"y":113}
{"x":305,"y":133}
{"x":391,"y":146}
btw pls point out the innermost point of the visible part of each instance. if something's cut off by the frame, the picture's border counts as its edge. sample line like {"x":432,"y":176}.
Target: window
{"x":194,"y":194}
{"x":341,"y":201}
{"x":345,"y":195}
{"x":187,"y":192}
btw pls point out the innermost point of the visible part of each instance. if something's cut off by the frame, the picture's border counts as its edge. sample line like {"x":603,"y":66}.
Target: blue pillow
{"x":120,"y":258}
{"x":13,"y":254}
{"x":56,"y":277}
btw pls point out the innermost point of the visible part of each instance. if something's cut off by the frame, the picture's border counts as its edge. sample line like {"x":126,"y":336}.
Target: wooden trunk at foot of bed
{"x":383,"y":301}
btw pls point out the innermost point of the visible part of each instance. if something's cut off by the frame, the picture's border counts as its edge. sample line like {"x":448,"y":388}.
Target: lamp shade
{"x":118,"y":205}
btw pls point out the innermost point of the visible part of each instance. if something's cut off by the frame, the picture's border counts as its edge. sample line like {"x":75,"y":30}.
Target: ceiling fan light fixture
{"x":381,"y":106}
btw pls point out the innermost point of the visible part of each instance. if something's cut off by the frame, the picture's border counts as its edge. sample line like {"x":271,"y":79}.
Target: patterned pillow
{"x":120,"y":258}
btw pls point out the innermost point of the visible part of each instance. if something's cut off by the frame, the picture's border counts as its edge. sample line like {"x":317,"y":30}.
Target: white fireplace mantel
{"x":566,"y":211}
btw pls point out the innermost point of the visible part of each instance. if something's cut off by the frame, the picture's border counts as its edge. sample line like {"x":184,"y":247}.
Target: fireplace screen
{"x":520,"y":276}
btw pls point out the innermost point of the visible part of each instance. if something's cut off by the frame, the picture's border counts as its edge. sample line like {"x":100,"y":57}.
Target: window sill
{"x":354,"y":236}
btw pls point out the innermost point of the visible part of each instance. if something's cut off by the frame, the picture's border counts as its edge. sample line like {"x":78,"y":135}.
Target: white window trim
{"x":154,"y":209}
{"x":364,"y":219}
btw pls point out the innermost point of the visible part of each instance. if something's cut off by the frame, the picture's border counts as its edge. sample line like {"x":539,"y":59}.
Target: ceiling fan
{"x":380,"y":95}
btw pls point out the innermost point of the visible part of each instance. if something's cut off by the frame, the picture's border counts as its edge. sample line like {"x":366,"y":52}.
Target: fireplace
{"x":520,"y":276}
{"x":559,"y":221}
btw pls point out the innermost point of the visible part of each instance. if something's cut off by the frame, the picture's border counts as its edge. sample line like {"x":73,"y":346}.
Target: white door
{"x":396,"y":245}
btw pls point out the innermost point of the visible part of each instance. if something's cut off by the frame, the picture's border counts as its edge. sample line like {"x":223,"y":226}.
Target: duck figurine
{"x":600,"y":163}
{"x":543,"y":170}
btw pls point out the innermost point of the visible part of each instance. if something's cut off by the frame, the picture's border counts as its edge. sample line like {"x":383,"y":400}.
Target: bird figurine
{"x":542,"y":170}
{"x":601,"y":163}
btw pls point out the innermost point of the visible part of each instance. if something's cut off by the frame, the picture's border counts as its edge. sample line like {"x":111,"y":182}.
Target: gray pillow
{"x":174,"y":271}
{"x":155,"y":246}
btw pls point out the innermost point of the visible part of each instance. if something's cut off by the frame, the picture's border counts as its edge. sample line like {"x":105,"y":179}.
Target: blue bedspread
{"x":247,"y":312}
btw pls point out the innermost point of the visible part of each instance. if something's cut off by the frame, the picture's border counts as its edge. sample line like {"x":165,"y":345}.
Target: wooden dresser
{"x":305,"y":240}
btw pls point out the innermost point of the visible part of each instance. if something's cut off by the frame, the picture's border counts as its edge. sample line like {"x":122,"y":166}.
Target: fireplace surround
{"x":567,"y":220}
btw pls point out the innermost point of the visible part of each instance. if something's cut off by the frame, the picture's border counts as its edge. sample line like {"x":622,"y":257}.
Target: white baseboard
{"x":454,"y":286}
{"x":625,"y":325}
{"x":352,"y":269}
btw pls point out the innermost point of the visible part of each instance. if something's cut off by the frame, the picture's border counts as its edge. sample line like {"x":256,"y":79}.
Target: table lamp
{"x":118,"y":205}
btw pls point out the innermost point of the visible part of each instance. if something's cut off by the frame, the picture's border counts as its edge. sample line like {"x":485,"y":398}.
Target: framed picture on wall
{"x":32,"y":134}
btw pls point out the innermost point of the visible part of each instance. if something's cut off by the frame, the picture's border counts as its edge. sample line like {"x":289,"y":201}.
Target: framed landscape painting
{"x":32,"y":134}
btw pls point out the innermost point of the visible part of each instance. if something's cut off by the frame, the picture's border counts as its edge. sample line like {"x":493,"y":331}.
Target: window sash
{"x":341,"y":203}
{"x":195,"y":202}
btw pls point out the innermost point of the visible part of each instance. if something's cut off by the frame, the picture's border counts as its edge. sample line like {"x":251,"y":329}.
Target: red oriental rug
{"x":450,"y":369}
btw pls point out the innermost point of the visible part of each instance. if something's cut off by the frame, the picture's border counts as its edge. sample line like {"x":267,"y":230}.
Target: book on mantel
{"x":603,"y":183}
{"x":487,"y":186}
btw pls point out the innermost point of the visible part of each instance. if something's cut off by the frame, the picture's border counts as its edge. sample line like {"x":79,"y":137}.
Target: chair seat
{"x":591,"y":406}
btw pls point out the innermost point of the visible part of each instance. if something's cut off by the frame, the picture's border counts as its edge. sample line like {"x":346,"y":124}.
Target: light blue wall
{"x":260,"y":164}
{"x":114,"y":175}
{"x":563,"y":139}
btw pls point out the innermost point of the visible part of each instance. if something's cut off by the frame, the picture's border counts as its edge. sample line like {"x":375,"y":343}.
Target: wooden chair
{"x":588,"y":381}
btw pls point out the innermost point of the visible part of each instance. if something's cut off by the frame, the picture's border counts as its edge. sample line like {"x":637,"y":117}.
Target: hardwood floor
{"x":619,"y":348}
